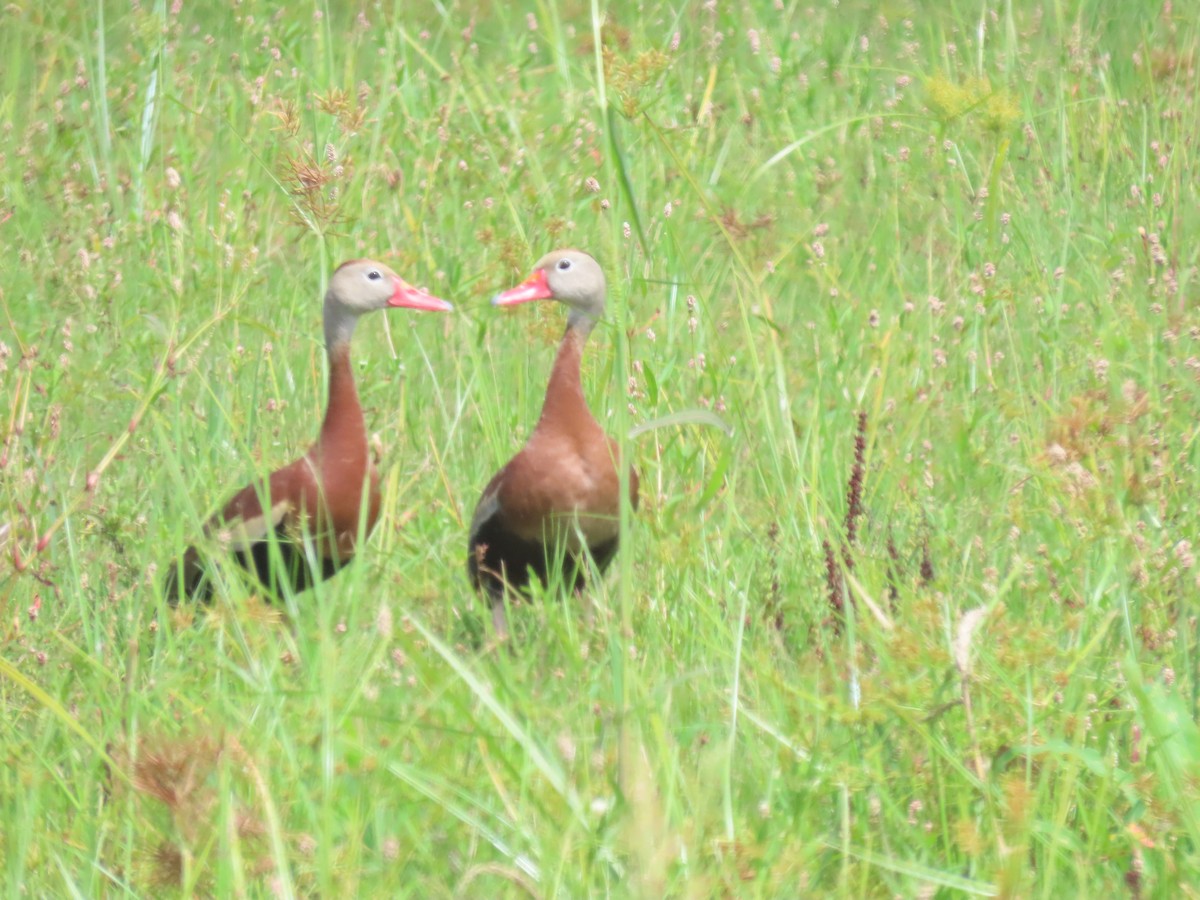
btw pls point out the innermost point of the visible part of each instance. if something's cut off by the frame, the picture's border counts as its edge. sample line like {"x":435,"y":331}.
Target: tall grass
{"x":968,"y":227}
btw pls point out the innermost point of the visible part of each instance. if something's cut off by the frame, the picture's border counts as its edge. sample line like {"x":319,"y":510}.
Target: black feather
{"x":278,"y":571}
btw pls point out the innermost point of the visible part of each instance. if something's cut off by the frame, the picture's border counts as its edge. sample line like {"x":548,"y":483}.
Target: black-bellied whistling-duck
{"x":301,"y":524}
{"x":562,"y":491}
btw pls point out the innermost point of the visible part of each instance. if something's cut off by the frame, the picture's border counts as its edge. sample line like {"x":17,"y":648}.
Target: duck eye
{"x":374,"y":275}
{"x":564,"y":265}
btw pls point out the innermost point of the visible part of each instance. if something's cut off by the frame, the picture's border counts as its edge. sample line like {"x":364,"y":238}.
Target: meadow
{"x":915,"y":624}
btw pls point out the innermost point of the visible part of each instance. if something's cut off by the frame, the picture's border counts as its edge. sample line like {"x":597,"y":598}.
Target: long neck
{"x":564,"y":395}
{"x":343,"y":416}
{"x":344,"y":429}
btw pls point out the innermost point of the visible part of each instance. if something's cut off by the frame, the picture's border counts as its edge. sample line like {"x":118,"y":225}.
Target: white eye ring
{"x":374,"y":275}
{"x":564,"y":265}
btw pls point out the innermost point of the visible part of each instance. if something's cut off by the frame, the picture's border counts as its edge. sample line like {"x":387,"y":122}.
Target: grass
{"x":970,"y":226}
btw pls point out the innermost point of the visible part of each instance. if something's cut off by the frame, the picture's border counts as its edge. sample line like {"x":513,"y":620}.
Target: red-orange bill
{"x":409,"y":297}
{"x":535,"y":287}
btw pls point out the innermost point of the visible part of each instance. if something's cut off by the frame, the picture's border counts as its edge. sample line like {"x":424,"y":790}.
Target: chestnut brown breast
{"x":302,"y":525}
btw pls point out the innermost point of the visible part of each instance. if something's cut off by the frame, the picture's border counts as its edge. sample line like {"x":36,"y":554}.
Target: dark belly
{"x":497,"y":556}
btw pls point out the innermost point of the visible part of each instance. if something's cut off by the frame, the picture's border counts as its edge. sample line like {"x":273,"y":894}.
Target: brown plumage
{"x":302,"y":524}
{"x":561,"y":493}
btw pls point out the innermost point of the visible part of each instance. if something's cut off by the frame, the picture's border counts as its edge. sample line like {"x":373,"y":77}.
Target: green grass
{"x":970,"y":227}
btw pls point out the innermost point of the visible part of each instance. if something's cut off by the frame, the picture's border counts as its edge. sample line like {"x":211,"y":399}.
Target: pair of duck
{"x":558,"y":498}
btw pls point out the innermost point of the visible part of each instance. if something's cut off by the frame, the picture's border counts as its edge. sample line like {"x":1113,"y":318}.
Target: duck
{"x":560,"y":496}
{"x":303,"y":523}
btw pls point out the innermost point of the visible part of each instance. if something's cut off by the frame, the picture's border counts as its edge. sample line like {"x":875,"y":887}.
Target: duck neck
{"x":565,"y":403}
{"x":339,"y":325}
{"x":344,"y":430}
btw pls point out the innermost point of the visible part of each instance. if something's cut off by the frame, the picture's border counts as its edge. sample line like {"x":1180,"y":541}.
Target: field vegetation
{"x":919,"y":622}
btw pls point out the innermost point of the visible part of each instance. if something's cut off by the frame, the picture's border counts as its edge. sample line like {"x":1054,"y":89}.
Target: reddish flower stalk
{"x":854,"y":505}
{"x":833,"y":580}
